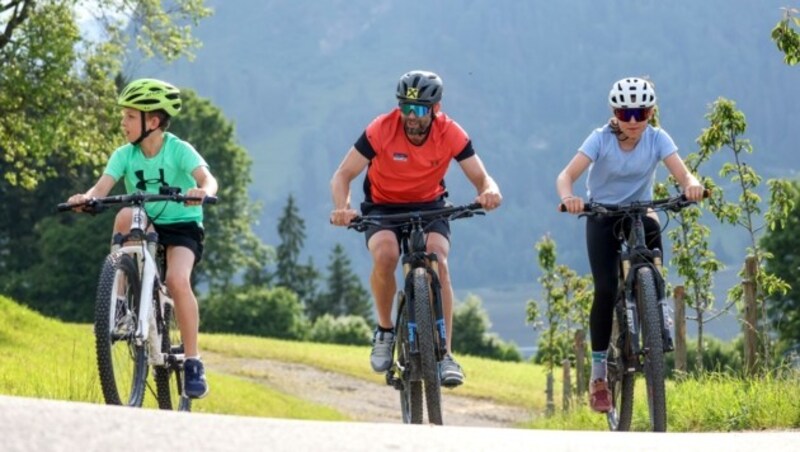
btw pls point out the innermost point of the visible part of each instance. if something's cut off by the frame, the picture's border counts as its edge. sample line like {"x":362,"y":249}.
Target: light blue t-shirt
{"x":172,"y":166}
{"x":617,"y":176}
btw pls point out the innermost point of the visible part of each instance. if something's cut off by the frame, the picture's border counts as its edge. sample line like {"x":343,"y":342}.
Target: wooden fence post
{"x":567,"y":389}
{"x":580,"y":365}
{"x":680,"y":329}
{"x":551,"y":404}
{"x":750,"y":326}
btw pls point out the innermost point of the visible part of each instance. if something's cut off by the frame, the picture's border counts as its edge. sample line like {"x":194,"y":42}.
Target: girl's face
{"x":633,"y":121}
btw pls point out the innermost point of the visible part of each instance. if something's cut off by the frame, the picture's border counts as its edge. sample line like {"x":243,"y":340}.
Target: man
{"x":406,"y":153}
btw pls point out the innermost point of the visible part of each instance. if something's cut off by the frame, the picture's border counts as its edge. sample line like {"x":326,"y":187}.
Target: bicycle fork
{"x":435,"y":299}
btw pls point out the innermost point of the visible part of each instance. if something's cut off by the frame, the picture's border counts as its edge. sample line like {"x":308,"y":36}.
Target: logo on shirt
{"x":142,"y":182}
{"x":400,"y":157}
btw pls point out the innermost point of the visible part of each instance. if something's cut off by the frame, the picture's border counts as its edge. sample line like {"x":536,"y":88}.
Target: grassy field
{"x":41,"y":357}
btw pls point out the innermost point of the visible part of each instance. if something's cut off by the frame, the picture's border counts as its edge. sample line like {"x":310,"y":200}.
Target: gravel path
{"x":360,"y":399}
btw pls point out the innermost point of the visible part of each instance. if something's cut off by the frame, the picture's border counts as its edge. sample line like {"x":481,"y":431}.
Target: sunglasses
{"x":639,"y":114}
{"x":419,"y":110}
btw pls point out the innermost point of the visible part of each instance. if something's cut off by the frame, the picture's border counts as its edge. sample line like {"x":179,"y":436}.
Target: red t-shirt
{"x":401,"y":172}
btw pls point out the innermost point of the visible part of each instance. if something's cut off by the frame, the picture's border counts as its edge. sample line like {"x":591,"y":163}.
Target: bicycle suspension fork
{"x":435,"y":300}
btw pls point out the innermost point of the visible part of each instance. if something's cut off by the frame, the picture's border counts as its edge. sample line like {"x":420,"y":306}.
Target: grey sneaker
{"x":381,"y":356}
{"x":450,"y":372}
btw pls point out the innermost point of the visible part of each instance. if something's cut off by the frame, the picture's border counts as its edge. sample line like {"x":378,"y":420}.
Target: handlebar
{"x":97,"y":204}
{"x":674,"y":204}
{"x":361,"y":223}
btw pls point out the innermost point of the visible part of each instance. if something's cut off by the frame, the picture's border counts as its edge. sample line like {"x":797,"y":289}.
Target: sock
{"x":599,"y":368}
{"x":385,"y":330}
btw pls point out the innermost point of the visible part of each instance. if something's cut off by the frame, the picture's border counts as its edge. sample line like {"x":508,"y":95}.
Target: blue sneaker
{"x":194,"y":382}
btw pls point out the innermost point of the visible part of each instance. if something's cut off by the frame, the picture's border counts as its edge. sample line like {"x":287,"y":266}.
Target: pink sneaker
{"x":600,"y":396}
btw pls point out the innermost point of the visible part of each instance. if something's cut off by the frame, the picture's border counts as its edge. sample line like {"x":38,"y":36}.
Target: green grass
{"x":44,"y":358}
{"x":710,"y":403}
{"x":41,"y":357}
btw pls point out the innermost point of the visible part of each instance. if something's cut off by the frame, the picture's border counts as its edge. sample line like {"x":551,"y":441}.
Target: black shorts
{"x":189,"y":235}
{"x":439,"y":226}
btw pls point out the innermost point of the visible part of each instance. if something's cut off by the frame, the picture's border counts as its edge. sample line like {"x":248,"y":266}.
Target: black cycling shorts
{"x":188,"y":234}
{"x":439,"y":226}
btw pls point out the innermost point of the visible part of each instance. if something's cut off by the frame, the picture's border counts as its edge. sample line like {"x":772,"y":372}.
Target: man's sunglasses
{"x":419,"y":110}
{"x":639,"y":114}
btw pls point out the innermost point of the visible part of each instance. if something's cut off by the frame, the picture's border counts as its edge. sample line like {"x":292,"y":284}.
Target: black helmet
{"x":421,"y":87}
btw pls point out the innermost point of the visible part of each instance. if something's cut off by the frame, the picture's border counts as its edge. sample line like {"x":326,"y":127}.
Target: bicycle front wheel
{"x":427,"y":346}
{"x":653,"y":348}
{"x":121,"y":359}
{"x":169,"y":377}
{"x":411,"y":391}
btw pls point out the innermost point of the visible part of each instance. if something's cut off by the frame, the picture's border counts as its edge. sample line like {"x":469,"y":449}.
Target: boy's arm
{"x":206,"y":184}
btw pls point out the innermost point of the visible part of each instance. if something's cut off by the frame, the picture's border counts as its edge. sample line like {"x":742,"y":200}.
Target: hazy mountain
{"x":527,"y":80}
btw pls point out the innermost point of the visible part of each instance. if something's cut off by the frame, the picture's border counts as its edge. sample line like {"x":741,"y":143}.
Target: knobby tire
{"x":650,"y":312}
{"x":411,"y":392}
{"x":620,"y":380}
{"x":121,"y":363}
{"x":427,"y":346}
{"x":169,"y":377}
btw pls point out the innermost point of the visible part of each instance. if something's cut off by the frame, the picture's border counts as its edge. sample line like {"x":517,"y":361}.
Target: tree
{"x":232,"y":248}
{"x":727,"y":125}
{"x":255,"y":311}
{"x":290,"y":273}
{"x":58,"y":86}
{"x":786,"y":37}
{"x":472,"y":336}
{"x":344,"y":294}
{"x":781,"y":242}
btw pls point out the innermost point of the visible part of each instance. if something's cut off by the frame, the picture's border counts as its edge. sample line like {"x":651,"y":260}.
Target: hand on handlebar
{"x":572,"y":204}
{"x":343,"y":217}
{"x":196,"y":193}
{"x":696,"y":192}
{"x":489,"y":199}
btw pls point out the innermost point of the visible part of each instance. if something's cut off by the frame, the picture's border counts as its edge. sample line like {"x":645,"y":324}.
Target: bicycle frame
{"x":415,"y":255}
{"x":146,"y":328}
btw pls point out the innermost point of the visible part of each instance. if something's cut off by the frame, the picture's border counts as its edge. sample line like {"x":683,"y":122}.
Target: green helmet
{"x":148,"y":94}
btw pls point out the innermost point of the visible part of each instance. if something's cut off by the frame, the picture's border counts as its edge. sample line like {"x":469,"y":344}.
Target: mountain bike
{"x":134,"y":319}
{"x":419,"y":318}
{"x":641,"y":332}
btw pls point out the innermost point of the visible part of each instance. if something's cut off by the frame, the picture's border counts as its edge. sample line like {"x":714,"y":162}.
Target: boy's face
{"x":131,"y":124}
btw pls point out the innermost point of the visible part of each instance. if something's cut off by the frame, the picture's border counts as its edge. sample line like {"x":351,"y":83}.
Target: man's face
{"x":416,"y":118}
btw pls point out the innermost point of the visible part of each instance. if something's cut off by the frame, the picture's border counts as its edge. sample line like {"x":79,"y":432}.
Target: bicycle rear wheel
{"x":121,"y":361}
{"x":427,"y":346}
{"x":620,"y":378}
{"x":654,"y":348}
{"x":411,"y":391}
{"x":169,"y":377}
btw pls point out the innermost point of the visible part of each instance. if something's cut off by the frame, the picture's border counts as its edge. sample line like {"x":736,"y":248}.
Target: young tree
{"x":727,"y":125}
{"x":786,"y":37}
{"x":302,"y":279}
{"x":344,"y":295}
{"x":781,"y":242}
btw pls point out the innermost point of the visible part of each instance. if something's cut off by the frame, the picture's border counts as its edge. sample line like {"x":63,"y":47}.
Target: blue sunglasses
{"x":419,"y":110}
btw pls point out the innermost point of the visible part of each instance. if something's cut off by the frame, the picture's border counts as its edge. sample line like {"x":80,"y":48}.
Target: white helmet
{"x":632,"y":93}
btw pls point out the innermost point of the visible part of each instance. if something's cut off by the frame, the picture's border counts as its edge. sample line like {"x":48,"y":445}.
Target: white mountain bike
{"x":134,"y":324}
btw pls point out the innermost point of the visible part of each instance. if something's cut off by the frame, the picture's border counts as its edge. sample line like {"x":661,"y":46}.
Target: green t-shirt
{"x":172,"y":167}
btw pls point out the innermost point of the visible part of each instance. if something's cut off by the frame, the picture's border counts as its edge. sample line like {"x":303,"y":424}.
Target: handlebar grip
{"x":64,"y":207}
{"x":210,"y":200}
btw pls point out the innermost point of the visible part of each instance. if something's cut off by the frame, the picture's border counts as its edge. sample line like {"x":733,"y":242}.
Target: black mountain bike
{"x":419,"y":320}
{"x":641,"y":329}
{"x":134,"y":323}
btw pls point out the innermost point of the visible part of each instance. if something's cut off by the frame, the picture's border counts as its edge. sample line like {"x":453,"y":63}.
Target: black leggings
{"x":602,"y":240}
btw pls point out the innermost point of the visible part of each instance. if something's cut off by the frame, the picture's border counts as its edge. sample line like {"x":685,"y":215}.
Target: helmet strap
{"x":145,"y":133}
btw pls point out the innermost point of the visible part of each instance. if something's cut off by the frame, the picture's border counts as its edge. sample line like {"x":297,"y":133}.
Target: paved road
{"x":46,"y":425}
